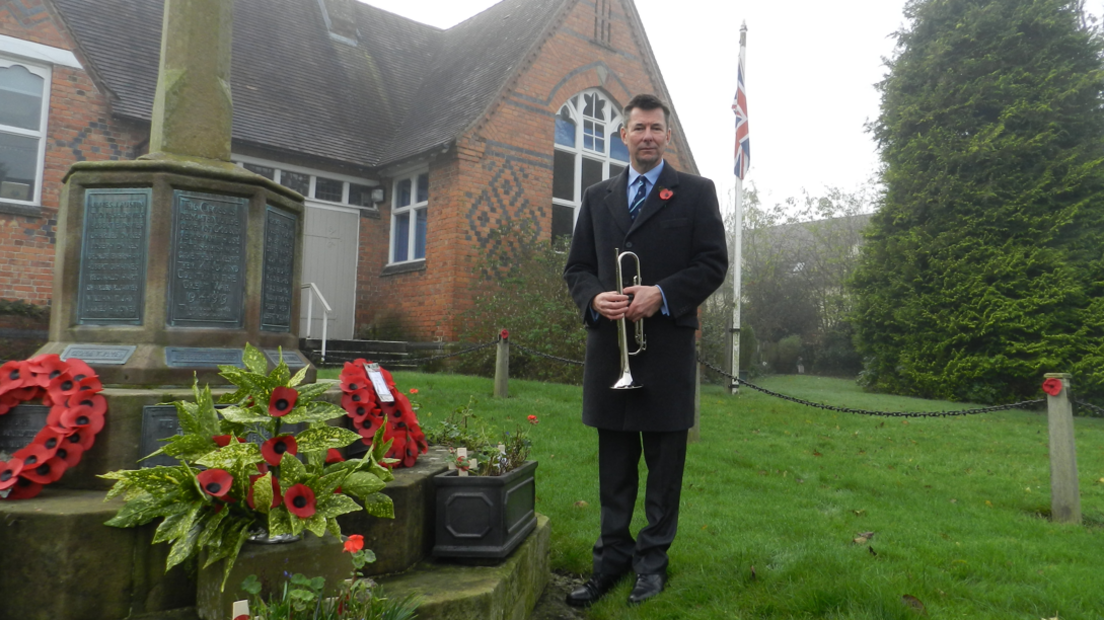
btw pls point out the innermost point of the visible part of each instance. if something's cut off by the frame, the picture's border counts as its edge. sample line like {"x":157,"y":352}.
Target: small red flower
{"x":62,"y":387}
{"x":50,"y":438}
{"x":95,"y":402}
{"x":46,"y":473}
{"x":82,"y":417}
{"x":33,"y":455}
{"x":282,"y":401}
{"x":299,"y":500}
{"x":665,"y":194}
{"x":504,"y":334}
{"x":413,"y":390}
{"x":354,"y":543}
{"x":215,"y":482}
{"x":15,"y":375}
{"x":1052,"y":386}
{"x":223,"y":440}
{"x":70,"y":453}
{"x":25,"y":489}
{"x":273,"y":450}
{"x":533,"y":419}
{"x":46,"y":367}
{"x":9,"y":473}
{"x":79,"y":369}
{"x":350,"y":400}
{"x":82,"y":438}
{"x":333,"y":456}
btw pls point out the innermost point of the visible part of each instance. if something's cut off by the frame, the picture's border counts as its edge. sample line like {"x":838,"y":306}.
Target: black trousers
{"x":618,"y":461}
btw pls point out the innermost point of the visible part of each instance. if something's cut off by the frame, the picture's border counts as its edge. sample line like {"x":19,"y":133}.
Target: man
{"x":671,"y":221}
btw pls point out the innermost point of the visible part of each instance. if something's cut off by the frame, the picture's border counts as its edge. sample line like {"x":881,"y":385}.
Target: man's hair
{"x":648,"y":102}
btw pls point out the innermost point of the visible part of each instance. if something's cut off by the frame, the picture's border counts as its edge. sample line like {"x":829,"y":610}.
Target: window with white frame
{"x":588,"y":150}
{"x":24,"y":107}
{"x":409,"y":217}
{"x":314,"y":185}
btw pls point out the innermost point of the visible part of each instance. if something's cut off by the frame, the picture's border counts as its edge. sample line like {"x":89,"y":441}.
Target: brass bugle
{"x":626,"y":381}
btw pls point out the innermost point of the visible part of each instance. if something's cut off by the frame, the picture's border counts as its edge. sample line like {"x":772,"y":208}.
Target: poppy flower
{"x":333,"y":456}
{"x":665,"y":194}
{"x":47,"y":472}
{"x":25,"y":489}
{"x":62,"y":387}
{"x":82,"y":438}
{"x":354,"y":543}
{"x":15,"y":375}
{"x":9,"y":473}
{"x":223,"y":440}
{"x":46,"y":367}
{"x":276,"y":499}
{"x":90,"y":384}
{"x":504,"y":334}
{"x":273,"y":450}
{"x":282,"y":401}
{"x":262,"y":467}
{"x":1052,"y":386}
{"x":33,"y":455}
{"x":96,"y":402}
{"x":82,"y":417}
{"x":360,"y":411}
{"x":299,"y":500}
{"x":349,"y":400}
{"x":533,"y":419}
{"x":413,"y":390}
{"x":70,"y":453}
{"x":353,"y":382}
{"x":49,"y":438}
{"x":79,"y":369}
{"x":215,"y":482}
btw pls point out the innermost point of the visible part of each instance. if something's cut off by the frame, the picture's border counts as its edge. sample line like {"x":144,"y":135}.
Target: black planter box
{"x":484,"y":516}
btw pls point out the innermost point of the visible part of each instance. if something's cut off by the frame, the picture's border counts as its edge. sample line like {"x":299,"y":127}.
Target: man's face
{"x":646,"y":134}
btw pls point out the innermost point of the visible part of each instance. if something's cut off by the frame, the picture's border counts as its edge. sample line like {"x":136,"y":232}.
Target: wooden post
{"x":1065,"y":499}
{"x":502,"y":366}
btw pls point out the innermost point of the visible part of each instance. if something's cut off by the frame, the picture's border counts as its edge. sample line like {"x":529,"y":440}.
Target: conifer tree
{"x":983,"y":268}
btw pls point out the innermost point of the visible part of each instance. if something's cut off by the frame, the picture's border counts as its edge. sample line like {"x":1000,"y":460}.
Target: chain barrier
{"x":565,"y":360}
{"x":1093,"y":410}
{"x":473,"y":349}
{"x":891,"y":414}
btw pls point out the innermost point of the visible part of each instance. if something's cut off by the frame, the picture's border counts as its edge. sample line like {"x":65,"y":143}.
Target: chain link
{"x":425,"y":360}
{"x":565,"y":360}
{"x":891,"y":414}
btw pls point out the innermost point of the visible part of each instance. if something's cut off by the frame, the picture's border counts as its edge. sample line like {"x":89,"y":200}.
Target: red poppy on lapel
{"x":665,"y":194}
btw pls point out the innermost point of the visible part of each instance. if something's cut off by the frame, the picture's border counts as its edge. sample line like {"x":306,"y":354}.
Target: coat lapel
{"x":617,"y":202}
{"x":668,"y":179}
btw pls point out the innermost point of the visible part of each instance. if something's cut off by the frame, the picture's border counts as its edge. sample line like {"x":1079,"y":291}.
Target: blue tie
{"x":638,"y":200}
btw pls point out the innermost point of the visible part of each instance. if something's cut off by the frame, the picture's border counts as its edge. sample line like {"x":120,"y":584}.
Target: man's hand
{"x":647,"y":300}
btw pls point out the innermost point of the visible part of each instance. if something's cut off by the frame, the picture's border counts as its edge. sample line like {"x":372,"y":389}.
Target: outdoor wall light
{"x":377,"y":195}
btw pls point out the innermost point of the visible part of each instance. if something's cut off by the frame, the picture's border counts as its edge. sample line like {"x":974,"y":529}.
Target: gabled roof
{"x":404,"y":89}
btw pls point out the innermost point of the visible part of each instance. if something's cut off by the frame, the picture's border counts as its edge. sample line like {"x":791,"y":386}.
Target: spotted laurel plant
{"x":241,"y":472}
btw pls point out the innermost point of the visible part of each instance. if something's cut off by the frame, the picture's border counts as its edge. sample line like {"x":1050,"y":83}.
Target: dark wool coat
{"x":681,"y":245}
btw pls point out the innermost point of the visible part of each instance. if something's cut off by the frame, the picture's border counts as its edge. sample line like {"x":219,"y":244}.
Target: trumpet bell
{"x":625,"y":382}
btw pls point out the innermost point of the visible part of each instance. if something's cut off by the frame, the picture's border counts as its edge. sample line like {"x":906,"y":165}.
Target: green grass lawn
{"x":775,"y":494}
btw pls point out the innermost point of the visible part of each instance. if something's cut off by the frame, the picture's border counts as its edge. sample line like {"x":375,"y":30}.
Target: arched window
{"x":24,"y":105}
{"x":588,"y":150}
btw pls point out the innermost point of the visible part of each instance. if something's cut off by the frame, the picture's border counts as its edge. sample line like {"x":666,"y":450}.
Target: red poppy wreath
{"x":72,"y":392}
{"x":361,"y":403}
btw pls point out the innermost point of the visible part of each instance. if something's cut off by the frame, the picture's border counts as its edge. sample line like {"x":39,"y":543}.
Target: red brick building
{"x":506,"y":116}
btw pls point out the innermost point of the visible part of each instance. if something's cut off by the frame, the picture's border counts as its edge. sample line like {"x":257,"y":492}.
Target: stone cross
{"x":192,"y":109}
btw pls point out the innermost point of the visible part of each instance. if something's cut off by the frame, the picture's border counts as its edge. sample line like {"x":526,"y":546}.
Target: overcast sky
{"x":811,"y":70}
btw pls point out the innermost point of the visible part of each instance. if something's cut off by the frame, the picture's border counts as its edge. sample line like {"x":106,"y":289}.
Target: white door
{"x":330,"y":239}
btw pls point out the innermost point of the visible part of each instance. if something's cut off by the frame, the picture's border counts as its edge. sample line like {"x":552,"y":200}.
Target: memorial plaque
{"x":293,"y":360}
{"x":19,"y":426}
{"x":113,"y":256}
{"x":279,"y":269}
{"x":158,"y":422}
{"x":197,"y":357}
{"x":99,"y":354}
{"x":207,"y":282}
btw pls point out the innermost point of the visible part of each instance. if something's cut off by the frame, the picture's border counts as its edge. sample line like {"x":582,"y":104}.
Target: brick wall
{"x":79,"y":128}
{"x":500,"y":172}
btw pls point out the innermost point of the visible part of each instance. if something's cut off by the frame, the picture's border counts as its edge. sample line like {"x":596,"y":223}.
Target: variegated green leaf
{"x":362,"y":484}
{"x":177,"y":524}
{"x":206,"y":417}
{"x":279,"y":521}
{"x":291,"y":471}
{"x":299,"y":377}
{"x":186,"y":414}
{"x":211,"y":527}
{"x":337,"y":504}
{"x":138,"y":511}
{"x":233,"y":456}
{"x":308,"y":393}
{"x":316,"y":524}
{"x":296,"y":524}
{"x":234,"y":397}
{"x":187,"y":447}
{"x":381,"y":472}
{"x":333,"y":527}
{"x":324,"y":437}
{"x":379,"y":447}
{"x":318,"y":411}
{"x":280,"y":374}
{"x":379,"y":505}
{"x":255,"y":360}
{"x":233,"y":556}
{"x":243,"y":415}
{"x":262,"y":493}
{"x":184,"y":547}
{"x":329,"y":482}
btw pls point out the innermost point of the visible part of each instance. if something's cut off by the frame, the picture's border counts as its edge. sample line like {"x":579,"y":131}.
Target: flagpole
{"x":738,"y":234}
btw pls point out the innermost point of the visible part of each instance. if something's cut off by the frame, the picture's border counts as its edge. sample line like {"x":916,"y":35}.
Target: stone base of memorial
{"x":484,"y":516}
{"x":168,"y":267}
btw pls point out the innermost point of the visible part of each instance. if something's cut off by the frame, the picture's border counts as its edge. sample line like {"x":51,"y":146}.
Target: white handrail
{"x":326,"y":310}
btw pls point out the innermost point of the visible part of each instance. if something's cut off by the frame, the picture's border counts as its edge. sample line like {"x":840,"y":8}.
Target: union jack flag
{"x":743,"y":142}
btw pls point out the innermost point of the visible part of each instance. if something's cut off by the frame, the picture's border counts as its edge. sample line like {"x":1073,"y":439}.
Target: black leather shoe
{"x":646,"y":587}
{"x":595,"y":588}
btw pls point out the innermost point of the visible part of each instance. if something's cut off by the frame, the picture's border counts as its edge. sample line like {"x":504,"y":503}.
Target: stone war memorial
{"x":166,"y":268}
